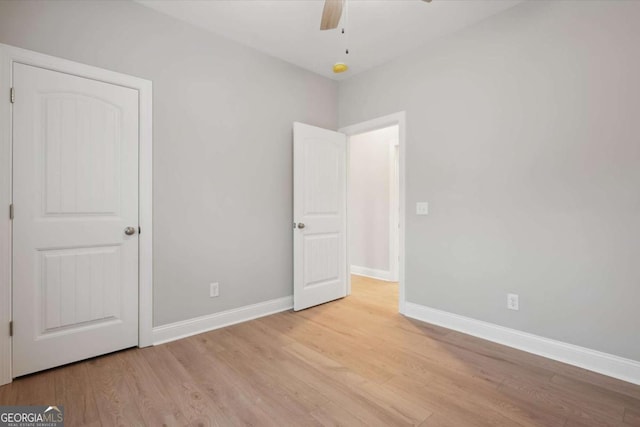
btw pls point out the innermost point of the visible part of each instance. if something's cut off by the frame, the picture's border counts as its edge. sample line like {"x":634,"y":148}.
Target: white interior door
{"x":75,"y":190}
{"x":319,"y":212}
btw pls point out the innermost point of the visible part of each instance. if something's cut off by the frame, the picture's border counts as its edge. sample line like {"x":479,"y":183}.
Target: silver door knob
{"x":130,"y":231}
{"x":300,"y":225}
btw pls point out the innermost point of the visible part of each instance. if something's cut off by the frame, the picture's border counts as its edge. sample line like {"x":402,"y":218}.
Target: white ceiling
{"x":378,"y":30}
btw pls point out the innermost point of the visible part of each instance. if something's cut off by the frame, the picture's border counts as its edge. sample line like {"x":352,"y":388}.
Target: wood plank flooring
{"x":353,"y":362}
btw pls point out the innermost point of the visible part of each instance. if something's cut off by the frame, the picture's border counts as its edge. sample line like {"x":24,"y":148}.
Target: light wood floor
{"x":350,"y":362}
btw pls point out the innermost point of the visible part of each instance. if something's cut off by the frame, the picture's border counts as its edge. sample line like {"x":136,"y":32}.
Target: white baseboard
{"x":592,"y":360}
{"x":198,"y":325}
{"x":371,"y":272}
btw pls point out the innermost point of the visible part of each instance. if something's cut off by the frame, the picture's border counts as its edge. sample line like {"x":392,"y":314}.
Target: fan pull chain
{"x":341,"y":67}
{"x":346,"y":23}
{"x":347,"y":43}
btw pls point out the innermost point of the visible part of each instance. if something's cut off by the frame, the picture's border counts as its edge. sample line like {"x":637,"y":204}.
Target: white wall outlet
{"x":513,"y":302}
{"x":214,"y":289}
{"x":422,"y":208}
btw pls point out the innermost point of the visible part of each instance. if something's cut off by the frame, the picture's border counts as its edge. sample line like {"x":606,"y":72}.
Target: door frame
{"x":8,"y":56}
{"x":394,"y":210}
{"x":400,"y":120}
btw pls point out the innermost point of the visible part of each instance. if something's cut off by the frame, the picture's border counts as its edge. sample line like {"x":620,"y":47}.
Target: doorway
{"x":375,"y":199}
{"x":321,"y":259}
{"x":373,"y":204}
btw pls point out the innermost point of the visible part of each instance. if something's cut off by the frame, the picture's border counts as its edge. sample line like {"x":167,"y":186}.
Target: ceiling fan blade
{"x":331,"y":14}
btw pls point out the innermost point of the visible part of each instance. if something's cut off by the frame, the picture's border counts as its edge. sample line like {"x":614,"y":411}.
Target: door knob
{"x":130,"y":231}
{"x":301,"y":225}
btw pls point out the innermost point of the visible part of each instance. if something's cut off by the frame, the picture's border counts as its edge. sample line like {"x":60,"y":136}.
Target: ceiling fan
{"x":332,"y":13}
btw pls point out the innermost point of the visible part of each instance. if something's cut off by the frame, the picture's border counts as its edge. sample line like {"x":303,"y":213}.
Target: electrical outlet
{"x":513,"y":302}
{"x":214,"y":289}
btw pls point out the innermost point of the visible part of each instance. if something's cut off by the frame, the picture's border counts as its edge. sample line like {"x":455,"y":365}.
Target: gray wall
{"x":223,"y":116}
{"x":523,"y":133}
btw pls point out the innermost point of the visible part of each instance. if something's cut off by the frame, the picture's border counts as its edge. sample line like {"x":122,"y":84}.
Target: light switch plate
{"x":422,"y":208}
{"x":214,"y":289}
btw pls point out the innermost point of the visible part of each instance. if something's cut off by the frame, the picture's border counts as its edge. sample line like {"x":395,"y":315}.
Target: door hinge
{"x":11,"y":211}
{"x":11,"y":328}
{"x":12,"y":95}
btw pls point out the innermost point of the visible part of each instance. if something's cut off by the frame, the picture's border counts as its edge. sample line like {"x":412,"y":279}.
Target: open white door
{"x":75,"y":244}
{"x":319,"y":212}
